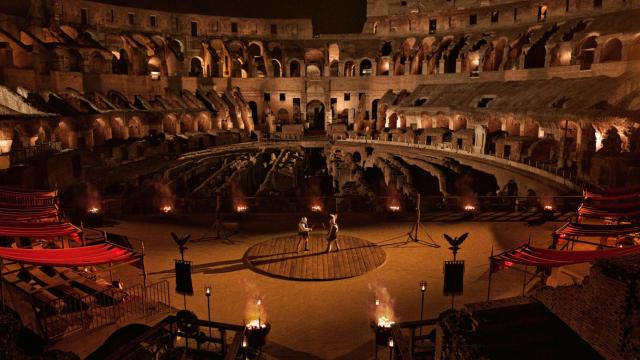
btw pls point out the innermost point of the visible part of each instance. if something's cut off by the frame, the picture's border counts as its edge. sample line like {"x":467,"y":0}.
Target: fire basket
{"x":382,"y":329}
{"x":256,"y":334}
{"x":548,"y":212}
{"x":469,"y":211}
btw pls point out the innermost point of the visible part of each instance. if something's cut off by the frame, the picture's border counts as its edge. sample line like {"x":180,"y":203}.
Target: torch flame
{"x":548,"y":208}
{"x":93,"y":210}
{"x":167,"y":209}
{"x":383,"y":312}
{"x":394,"y":208}
{"x":242,"y":208}
{"x":255,"y":324}
{"x":383,"y":321}
{"x":316,"y":208}
{"x":469,"y":207}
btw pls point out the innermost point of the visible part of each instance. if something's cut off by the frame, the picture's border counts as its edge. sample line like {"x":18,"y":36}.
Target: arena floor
{"x":328,"y":319}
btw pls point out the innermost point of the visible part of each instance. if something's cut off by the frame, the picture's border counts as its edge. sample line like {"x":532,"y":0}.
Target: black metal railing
{"x":381,"y":204}
{"x":202,"y":339}
{"x":22,"y":154}
{"x":67,"y":315}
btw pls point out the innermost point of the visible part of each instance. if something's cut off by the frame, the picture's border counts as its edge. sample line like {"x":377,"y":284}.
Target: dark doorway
{"x":315,"y":115}
{"x":254,"y":112}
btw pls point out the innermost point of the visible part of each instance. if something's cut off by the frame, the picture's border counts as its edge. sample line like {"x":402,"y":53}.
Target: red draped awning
{"x":49,"y":213}
{"x":27,"y":193}
{"x":614,"y":194}
{"x":530,"y":256}
{"x":38,"y":229}
{"x":19,"y":197}
{"x":606,"y":212}
{"x":572,"y":229}
{"x":612,"y":205}
{"x":80,"y":256}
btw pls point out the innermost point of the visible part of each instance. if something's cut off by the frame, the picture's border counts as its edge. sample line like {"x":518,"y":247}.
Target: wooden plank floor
{"x":279,"y":257}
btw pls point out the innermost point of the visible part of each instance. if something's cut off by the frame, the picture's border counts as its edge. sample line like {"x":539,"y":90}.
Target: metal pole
{"x":84,"y":243}
{"x":218,"y":215}
{"x":418,"y":215}
{"x":209,"y":311}
{"x":421,"y":310}
{"x":2,"y":282}
{"x":524,"y":280}
{"x":490,"y":275}
{"x":144,"y":279}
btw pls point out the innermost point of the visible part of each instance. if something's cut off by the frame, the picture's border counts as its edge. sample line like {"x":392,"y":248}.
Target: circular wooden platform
{"x":278,"y":257}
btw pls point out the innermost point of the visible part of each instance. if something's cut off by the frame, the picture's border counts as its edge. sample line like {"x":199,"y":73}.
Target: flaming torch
{"x":166,"y":209}
{"x":257,"y":328}
{"x":384,"y":315}
{"x":241,"y":208}
{"x":469,"y":211}
{"x":548,"y":212}
{"x":92,"y":201}
{"x":316,"y":208}
{"x":93,"y":210}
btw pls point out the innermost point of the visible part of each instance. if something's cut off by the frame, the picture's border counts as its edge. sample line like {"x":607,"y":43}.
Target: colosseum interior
{"x":172,"y":182}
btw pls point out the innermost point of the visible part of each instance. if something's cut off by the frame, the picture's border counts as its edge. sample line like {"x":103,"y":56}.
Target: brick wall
{"x":595,"y":310}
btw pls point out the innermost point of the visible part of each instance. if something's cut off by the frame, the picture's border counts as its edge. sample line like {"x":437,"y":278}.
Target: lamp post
{"x":423,"y":290}
{"x":207,"y":293}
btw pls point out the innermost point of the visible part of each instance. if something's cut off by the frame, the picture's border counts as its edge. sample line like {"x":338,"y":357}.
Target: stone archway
{"x":316,"y":115}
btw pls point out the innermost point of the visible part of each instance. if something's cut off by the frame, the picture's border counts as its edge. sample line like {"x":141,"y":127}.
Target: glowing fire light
{"x":242,"y":208}
{"x":385,"y":322}
{"x":167,"y":209}
{"x":316,"y":208}
{"x":394,"y":208}
{"x":548,"y":208}
{"x":255,"y":325}
{"x":469,"y":208}
{"x":93,"y":210}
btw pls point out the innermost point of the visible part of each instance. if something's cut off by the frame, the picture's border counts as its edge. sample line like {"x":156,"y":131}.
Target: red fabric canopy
{"x":614,"y":194}
{"x":530,"y":256}
{"x":612,"y":205}
{"x":36,"y":214}
{"x":19,"y":197}
{"x":38,"y":229}
{"x":572,"y":229}
{"x":606,"y":212}
{"x":80,"y":256}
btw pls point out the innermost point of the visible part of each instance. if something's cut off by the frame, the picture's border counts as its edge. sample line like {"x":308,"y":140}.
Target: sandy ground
{"x":329,"y":320}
